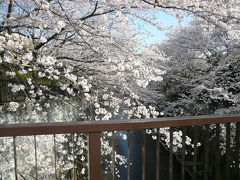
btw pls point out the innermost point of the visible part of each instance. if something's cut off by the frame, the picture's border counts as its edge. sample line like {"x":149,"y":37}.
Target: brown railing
{"x":94,"y":130}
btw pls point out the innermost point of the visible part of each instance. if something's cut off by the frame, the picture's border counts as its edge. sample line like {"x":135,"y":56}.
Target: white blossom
{"x":45,"y":4}
{"x":43,"y":39}
{"x":60,"y":24}
{"x":9,"y":73}
{"x":47,"y":61}
{"x":105,"y":97}
{"x":13,"y":106}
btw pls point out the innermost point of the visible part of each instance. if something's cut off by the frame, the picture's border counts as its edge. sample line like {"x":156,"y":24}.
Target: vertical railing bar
{"x":1,"y":99}
{"x":55,"y":155}
{"x":143,"y":155}
{"x":113,"y":155}
{"x":171,"y":155}
{"x":129,"y":155}
{"x":228,"y":141}
{"x":158,"y":158}
{"x":237,"y":167}
{"x":69,"y":172}
{"x":206,"y":154}
{"x":183,"y":153}
{"x":73,"y":154}
{"x":217,"y":155}
{"x":15,"y":157}
{"x":195,"y":152}
{"x":94,"y":156}
{"x":35,"y":155}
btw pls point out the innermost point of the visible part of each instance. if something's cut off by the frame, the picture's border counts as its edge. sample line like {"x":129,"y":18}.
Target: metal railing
{"x":94,"y":130}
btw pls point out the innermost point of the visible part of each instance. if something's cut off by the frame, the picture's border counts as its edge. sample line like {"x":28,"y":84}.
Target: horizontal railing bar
{"x":26,"y":129}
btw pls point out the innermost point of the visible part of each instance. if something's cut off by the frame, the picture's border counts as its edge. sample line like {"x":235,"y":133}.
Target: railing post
{"x":237,"y":157}
{"x":171,"y":154}
{"x":206,"y":153}
{"x":144,"y":155}
{"x":113,"y":155}
{"x":15,"y":157}
{"x":228,"y":149}
{"x":94,"y":156}
{"x":158,"y":158}
{"x":129,"y":155}
{"x":183,"y":156}
{"x":217,"y":153}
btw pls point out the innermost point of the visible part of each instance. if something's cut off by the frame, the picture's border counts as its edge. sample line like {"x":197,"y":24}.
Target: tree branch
{"x":10,"y":5}
{"x":92,"y":13}
{"x":38,"y":46}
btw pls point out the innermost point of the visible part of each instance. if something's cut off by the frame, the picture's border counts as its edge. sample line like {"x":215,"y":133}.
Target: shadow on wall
{"x":136,"y":157}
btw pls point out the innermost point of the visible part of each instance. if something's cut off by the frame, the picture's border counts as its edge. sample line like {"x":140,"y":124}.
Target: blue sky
{"x":159,"y":35}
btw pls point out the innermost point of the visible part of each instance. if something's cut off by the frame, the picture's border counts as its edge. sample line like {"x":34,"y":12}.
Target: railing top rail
{"x":111,"y":125}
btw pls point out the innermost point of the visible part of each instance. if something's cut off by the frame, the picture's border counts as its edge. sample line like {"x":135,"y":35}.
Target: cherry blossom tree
{"x":81,"y":60}
{"x":49,"y":69}
{"x":202,"y":76}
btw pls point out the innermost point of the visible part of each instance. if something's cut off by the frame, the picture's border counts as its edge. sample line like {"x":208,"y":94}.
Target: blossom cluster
{"x":48,"y":90}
